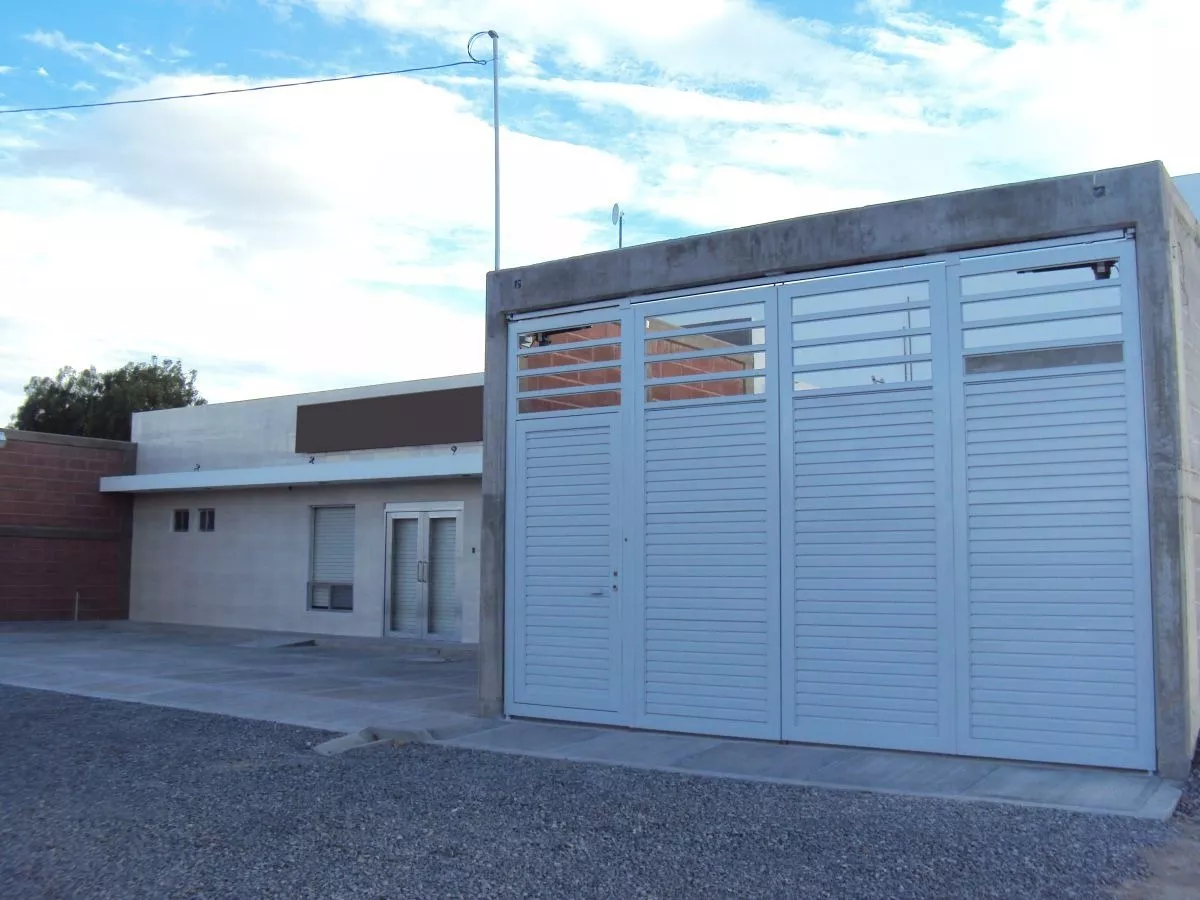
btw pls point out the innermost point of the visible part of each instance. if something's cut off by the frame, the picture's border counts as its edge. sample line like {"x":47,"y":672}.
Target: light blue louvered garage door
{"x":899,"y":508}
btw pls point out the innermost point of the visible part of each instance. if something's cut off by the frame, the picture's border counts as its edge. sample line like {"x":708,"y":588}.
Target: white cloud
{"x":4,"y":70}
{"x":284,"y":241}
{"x":41,"y":70}
{"x":83,"y":86}
{"x":81,"y":50}
{"x":738,"y":41}
{"x":144,"y":279}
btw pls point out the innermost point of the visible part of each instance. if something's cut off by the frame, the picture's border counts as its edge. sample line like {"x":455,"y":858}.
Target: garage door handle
{"x":597,"y":594}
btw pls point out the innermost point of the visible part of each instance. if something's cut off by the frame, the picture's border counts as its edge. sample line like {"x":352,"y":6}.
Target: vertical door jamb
{"x":953,"y":576}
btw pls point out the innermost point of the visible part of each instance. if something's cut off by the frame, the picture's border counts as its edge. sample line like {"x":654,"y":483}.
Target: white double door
{"x":422,"y":571}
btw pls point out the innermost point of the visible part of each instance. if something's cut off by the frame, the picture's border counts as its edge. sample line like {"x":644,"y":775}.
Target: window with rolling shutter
{"x":331,"y":585}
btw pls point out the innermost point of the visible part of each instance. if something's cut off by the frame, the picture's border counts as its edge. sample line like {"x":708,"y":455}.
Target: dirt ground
{"x":1174,"y":870}
{"x":1175,"y":866}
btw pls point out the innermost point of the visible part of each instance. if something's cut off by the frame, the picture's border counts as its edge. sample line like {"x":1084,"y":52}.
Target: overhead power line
{"x":246,"y":90}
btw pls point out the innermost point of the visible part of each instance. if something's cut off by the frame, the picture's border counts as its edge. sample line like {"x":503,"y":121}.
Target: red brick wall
{"x":738,"y":360}
{"x":58,"y":534}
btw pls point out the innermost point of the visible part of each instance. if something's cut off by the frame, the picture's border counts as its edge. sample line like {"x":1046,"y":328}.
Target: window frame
{"x":312,"y":585}
{"x":211,"y":517}
{"x":178,"y":516}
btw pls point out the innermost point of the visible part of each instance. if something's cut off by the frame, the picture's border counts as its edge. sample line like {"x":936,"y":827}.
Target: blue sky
{"x":320,"y":237}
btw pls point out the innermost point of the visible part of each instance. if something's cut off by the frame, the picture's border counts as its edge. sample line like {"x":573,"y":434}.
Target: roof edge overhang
{"x":465,"y":463}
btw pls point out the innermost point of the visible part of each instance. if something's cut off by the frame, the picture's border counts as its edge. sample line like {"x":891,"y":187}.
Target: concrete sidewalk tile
{"x":1161,"y":803}
{"x":906,"y":772}
{"x":52,"y":679}
{"x":231,"y":675}
{"x":285,"y":707}
{"x":381,"y":691}
{"x":526,"y":737}
{"x":1079,"y":789}
{"x":311,"y":684}
{"x":747,"y":759}
{"x":462,"y":702}
{"x":637,"y":748}
{"x":468,"y":725}
{"x":173,"y":692}
{"x":120,"y":689}
{"x":431,"y":722}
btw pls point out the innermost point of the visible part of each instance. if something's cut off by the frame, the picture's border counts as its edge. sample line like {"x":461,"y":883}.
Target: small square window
{"x":181,"y":521}
{"x":208,"y":520}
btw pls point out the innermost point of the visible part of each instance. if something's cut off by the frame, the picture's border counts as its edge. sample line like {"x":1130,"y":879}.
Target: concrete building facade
{"x":353,"y":512}
{"x":937,"y":495}
{"x":64,"y":547}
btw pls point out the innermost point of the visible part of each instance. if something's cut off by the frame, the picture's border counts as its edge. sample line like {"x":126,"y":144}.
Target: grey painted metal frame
{"x":1136,"y":197}
{"x":420,"y":512}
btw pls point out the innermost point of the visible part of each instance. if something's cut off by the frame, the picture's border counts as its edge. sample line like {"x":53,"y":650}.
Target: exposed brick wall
{"x":41,"y":576}
{"x":58,"y":534}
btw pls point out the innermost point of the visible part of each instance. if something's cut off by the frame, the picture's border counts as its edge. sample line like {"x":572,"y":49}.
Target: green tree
{"x":100,"y":404}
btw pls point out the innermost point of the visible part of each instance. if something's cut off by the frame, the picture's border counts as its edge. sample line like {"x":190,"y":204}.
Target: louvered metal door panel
{"x":445,"y":607}
{"x":1052,"y":640}
{"x":866,"y":625}
{"x":566,"y":640}
{"x":709,"y":613}
{"x":1053,"y":581}
{"x":405,"y":588}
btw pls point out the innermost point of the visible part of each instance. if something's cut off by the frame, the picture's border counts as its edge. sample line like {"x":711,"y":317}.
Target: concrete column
{"x":1168,"y":268}
{"x":495,"y":446}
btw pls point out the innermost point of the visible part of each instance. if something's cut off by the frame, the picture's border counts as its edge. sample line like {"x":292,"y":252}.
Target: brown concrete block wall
{"x":58,"y":534}
{"x":42,"y":576}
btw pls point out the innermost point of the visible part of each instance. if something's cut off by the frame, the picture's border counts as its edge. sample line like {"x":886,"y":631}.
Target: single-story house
{"x":348,"y":512}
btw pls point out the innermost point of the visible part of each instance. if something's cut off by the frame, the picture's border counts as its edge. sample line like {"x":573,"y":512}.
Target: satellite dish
{"x":616,"y":213}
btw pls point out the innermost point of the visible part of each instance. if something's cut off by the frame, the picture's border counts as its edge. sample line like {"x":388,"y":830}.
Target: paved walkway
{"x":345,"y":686}
{"x":1057,"y":787}
{"x":337,"y":685}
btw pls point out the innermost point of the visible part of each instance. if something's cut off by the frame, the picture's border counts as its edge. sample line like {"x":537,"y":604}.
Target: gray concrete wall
{"x":1133,"y":196}
{"x":258,"y":432}
{"x":1028,"y":211}
{"x":252,"y":571}
{"x":1184,"y":238}
{"x":495,"y":455}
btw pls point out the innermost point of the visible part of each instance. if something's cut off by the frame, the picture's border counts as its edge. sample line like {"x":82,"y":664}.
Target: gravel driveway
{"x":106,"y":799}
